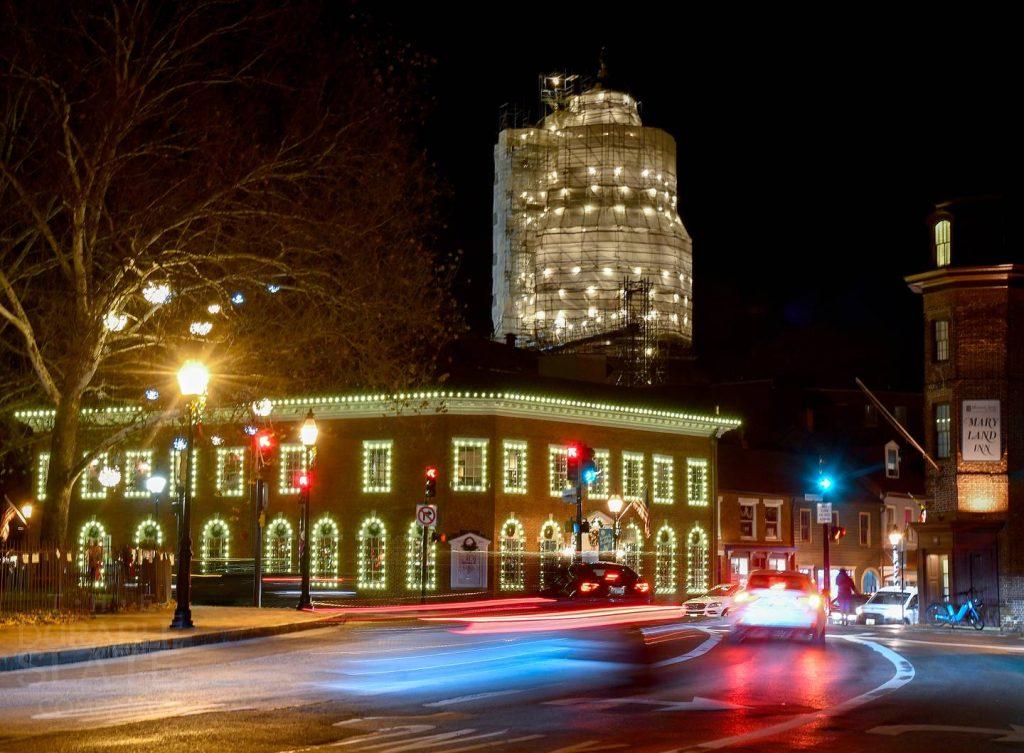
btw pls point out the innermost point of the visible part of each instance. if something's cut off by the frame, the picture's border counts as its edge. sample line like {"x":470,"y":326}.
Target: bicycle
{"x":945,"y":613}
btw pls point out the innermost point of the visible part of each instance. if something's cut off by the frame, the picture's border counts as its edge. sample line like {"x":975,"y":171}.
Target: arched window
{"x":215,"y":545}
{"x":943,"y":243}
{"x":325,"y":547}
{"x":697,"y":561}
{"x":665,"y":561}
{"x":414,"y":558}
{"x":277,"y":557}
{"x":149,"y":535}
{"x":513,"y":566}
{"x":93,"y":551}
{"x":373,"y":544}
{"x":550,"y":551}
{"x":632,"y":548}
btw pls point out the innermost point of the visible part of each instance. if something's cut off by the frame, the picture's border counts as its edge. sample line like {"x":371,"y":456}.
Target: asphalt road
{"x":532,"y":686}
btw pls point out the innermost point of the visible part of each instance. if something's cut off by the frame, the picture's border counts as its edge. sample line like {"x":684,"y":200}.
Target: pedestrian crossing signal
{"x":837,"y":532}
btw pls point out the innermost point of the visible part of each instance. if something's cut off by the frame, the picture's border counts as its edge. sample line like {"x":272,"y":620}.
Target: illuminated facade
{"x":973,"y":295}
{"x":498,"y":455}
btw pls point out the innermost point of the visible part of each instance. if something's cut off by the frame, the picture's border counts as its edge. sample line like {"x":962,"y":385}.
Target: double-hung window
{"x":469,"y":461}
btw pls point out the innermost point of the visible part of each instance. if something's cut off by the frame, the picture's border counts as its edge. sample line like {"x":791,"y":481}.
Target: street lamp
{"x":308,"y":433}
{"x":193,"y":380}
{"x":26,"y":510}
{"x":615,"y":503}
{"x":155,"y":485}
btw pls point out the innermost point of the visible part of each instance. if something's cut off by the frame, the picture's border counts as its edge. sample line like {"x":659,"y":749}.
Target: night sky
{"x":810,"y":151}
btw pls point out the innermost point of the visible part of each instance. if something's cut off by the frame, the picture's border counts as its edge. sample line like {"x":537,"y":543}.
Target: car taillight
{"x":611,"y":576}
{"x":642,"y":586}
{"x":743,"y":596}
{"x":588,"y":587}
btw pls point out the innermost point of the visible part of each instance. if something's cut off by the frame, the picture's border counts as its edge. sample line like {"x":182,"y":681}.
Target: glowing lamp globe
{"x":26,"y":510}
{"x":895,"y":537}
{"x":615,"y":504}
{"x":308,"y":432}
{"x":193,"y":378}
{"x":156,"y":484}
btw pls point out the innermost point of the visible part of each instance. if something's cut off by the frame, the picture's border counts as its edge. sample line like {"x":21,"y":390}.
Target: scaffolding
{"x":586,"y":211}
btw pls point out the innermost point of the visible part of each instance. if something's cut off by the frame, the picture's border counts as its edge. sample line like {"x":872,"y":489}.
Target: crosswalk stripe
{"x":473,"y":697}
{"x":416,"y":744}
{"x":427,"y":741}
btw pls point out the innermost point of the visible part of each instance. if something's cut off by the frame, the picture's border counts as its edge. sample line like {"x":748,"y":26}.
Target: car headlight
{"x":859,"y":610}
{"x":714,"y":605}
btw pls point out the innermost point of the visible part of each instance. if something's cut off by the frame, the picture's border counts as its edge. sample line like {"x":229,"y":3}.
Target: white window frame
{"x":87,"y":479}
{"x":287,"y":470}
{"x":861,"y":529}
{"x":628,"y":478}
{"x":131,"y":489}
{"x":749,"y":502}
{"x":660,"y":463}
{"x":943,"y":243}
{"x":774,"y":504}
{"x":697,"y":467}
{"x":810,"y":525}
{"x":943,"y":429}
{"x":220,"y":477}
{"x":940,"y":344}
{"x":468,"y":443}
{"x":558,"y":469}
{"x":517,"y":448}
{"x":370,"y":447}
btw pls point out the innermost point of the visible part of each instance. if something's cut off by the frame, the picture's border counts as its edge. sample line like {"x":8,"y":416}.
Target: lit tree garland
{"x":665,"y":561}
{"x":512,"y":565}
{"x":42,"y":469}
{"x":413,"y":558}
{"x":278,"y":548}
{"x":697,"y":560}
{"x":372,"y":560}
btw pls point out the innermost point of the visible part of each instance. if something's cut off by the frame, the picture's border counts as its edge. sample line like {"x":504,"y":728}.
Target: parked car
{"x":779,"y":604}
{"x":835,"y":614}
{"x":600,"y":581}
{"x":715,"y":603}
{"x":889,"y":604}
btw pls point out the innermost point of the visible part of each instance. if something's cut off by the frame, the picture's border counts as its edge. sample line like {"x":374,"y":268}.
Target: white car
{"x":778,"y":603}
{"x":715,"y":603}
{"x":889,"y":604}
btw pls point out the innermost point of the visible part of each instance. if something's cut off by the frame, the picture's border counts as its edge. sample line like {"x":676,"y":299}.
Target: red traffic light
{"x":265,"y":439}
{"x":431,"y":472}
{"x":303,"y":481}
{"x":572,"y":451}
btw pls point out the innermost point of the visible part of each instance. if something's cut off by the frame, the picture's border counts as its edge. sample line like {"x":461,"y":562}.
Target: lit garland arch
{"x":512,"y":557}
{"x":665,"y":561}
{"x":413,"y":564}
{"x":278,"y":553}
{"x":149,"y":531}
{"x":325,"y":547}
{"x":215,"y":542}
{"x":372,"y":560}
{"x":697,"y":560}
{"x":91,"y":533}
{"x":550,"y":549}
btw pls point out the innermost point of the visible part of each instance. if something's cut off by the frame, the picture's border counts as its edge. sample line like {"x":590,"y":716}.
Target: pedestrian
{"x":846,"y":588}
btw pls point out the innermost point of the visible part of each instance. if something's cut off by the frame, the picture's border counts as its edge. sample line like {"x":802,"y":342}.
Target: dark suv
{"x":599,"y":581}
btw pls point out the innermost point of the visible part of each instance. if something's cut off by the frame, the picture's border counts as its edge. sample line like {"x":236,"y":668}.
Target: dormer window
{"x":892,"y":460}
{"x":942,"y":243}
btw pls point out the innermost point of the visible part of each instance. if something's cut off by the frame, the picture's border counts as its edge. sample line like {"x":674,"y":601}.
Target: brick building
{"x":973,"y":295}
{"x":501,"y":457}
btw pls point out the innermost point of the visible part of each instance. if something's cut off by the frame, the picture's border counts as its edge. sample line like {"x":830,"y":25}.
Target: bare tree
{"x":205,"y":179}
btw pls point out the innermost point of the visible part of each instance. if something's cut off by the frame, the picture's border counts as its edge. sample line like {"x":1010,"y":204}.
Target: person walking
{"x":846,"y":588}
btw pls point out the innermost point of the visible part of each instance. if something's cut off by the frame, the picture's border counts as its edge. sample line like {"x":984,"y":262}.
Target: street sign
{"x":825,"y":512}
{"x":569,"y":496}
{"x":426,"y":515}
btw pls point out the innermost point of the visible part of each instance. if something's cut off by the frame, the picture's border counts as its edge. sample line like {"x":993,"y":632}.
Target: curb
{"x":34,"y":659}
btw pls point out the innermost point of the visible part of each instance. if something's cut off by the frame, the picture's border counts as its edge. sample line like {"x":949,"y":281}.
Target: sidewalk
{"x":110,"y":636}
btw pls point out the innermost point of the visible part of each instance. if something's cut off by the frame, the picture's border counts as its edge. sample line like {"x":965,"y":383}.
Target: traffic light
{"x":263,"y":443}
{"x":572,"y":464}
{"x":430,"y":482}
{"x":437,"y":536}
{"x":303,"y":481}
{"x":579,"y":464}
{"x":836,"y":532}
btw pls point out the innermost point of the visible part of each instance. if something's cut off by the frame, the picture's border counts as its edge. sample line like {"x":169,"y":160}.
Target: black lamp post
{"x":193,"y":379}
{"x":308,"y":433}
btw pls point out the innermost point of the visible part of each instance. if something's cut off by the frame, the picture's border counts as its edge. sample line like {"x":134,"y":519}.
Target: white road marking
{"x":433,"y":741}
{"x":468,"y":698}
{"x":904,"y":673}
{"x":478,"y":746}
{"x":697,"y":703}
{"x":589,"y":745}
{"x":712,"y":641}
{"x":1014,"y":735}
{"x":943,"y":644}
